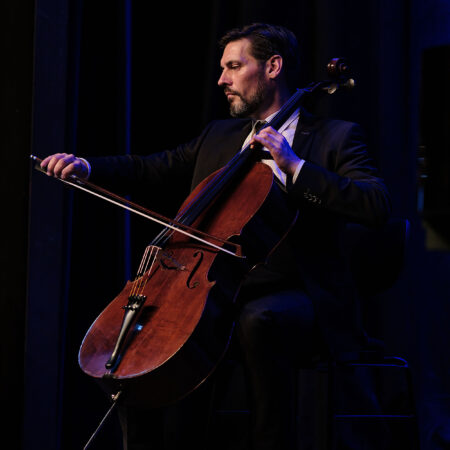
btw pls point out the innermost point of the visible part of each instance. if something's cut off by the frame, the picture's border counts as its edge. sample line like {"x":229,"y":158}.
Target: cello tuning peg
{"x":332,"y":88}
{"x":349,"y":84}
{"x":337,"y":67}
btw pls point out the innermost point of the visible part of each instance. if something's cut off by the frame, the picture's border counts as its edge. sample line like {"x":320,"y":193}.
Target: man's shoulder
{"x":332,"y":128}
{"x":309,"y":119}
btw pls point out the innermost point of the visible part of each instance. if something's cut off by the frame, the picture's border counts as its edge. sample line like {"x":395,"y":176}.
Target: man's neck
{"x":278,"y":100}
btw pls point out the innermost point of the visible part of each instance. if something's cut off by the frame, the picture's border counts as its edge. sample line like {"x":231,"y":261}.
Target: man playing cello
{"x":301,"y":302}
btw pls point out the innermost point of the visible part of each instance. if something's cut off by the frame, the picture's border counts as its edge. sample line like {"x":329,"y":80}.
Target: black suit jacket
{"x":337,"y":183}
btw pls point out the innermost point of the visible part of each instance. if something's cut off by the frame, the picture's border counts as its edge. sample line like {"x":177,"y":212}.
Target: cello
{"x":168,"y":329}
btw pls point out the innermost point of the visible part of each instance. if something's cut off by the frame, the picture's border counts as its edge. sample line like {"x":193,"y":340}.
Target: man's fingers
{"x":76,"y":168}
{"x":64,"y":163}
{"x":279,"y":148}
{"x":60,"y":165}
{"x":50,"y":161}
{"x":45,"y":161}
{"x":272,"y":140}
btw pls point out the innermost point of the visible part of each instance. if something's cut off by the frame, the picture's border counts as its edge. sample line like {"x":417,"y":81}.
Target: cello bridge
{"x":134,"y":302}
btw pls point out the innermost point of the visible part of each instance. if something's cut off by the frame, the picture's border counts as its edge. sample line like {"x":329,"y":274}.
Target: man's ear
{"x":273,"y":66}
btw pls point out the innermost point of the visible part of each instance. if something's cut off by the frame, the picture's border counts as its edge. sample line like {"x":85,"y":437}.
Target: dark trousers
{"x":277,"y":333}
{"x":274,"y":332}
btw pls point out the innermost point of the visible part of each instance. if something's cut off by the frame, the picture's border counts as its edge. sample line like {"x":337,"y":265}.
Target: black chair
{"x":376,"y":259}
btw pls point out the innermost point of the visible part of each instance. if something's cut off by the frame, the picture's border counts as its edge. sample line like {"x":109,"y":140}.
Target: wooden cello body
{"x":185,"y":324}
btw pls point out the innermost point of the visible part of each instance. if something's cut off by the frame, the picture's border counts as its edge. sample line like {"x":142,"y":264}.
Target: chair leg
{"x":397,"y":422}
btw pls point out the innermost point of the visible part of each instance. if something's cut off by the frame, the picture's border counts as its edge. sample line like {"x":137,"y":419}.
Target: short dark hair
{"x":268,"y":40}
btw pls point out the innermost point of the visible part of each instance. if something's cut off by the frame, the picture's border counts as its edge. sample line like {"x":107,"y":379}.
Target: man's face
{"x":243,"y":79}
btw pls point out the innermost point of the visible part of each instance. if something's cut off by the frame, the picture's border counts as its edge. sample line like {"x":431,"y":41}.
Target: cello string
{"x":140,"y":271}
{"x":155,"y":251}
{"x":150,"y":257}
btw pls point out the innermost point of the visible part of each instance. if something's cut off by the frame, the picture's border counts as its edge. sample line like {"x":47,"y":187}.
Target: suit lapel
{"x":237,"y":139}
{"x":304,"y":134}
{"x":219,"y":147}
{"x":229,"y":144}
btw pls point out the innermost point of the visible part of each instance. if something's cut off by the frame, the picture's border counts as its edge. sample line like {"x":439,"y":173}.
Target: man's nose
{"x":223,"y":80}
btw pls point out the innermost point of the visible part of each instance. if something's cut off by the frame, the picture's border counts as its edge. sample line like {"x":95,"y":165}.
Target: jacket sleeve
{"x":131,"y":174}
{"x":341,"y":178}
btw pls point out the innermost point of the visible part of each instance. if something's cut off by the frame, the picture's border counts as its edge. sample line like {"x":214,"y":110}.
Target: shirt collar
{"x":294,"y":116}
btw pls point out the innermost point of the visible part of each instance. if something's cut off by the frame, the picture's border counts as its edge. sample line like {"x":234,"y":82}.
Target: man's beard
{"x":245,"y":107}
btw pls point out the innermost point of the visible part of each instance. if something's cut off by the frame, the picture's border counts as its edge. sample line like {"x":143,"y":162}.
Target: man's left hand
{"x":279,"y":148}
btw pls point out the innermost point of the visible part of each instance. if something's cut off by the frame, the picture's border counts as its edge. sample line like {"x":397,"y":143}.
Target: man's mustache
{"x":230,"y":91}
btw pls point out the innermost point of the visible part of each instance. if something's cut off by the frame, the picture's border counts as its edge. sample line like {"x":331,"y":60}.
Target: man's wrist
{"x":88,"y":167}
{"x":297,"y":170}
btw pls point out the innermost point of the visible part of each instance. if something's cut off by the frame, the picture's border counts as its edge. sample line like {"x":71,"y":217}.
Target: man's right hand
{"x":63,"y":165}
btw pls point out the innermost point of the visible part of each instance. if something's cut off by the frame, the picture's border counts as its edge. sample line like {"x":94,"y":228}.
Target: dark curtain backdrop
{"x":121,"y":76}
{"x":16,"y":81}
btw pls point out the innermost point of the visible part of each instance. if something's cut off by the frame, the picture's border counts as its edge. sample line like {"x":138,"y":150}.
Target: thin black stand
{"x":108,"y":413}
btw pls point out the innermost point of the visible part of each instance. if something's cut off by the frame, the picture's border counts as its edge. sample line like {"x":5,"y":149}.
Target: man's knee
{"x":254,"y":325}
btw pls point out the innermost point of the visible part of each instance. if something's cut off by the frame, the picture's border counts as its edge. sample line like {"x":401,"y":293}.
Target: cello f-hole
{"x":198,"y":254}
